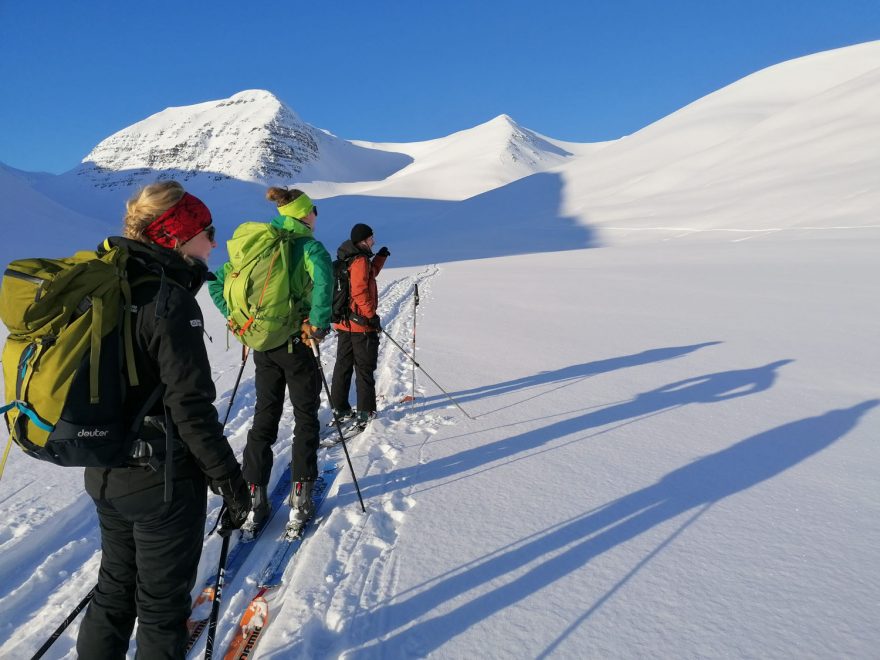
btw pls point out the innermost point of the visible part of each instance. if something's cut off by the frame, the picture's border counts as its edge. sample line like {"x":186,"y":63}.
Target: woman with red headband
{"x":151,"y":542}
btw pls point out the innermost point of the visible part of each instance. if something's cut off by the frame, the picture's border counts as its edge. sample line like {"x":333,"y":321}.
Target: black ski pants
{"x":150,"y":553}
{"x":358,"y":352}
{"x":297,"y":371}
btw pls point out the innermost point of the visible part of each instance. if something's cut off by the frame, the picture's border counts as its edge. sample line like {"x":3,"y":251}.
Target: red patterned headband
{"x":179,"y":223}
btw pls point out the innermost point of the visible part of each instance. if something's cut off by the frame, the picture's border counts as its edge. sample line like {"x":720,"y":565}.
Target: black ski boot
{"x":364,"y":417}
{"x":302,"y":508}
{"x":259,"y":514}
{"x":342,"y":415}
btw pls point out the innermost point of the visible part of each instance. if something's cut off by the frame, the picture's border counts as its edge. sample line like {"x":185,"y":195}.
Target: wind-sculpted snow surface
{"x":679,"y":462}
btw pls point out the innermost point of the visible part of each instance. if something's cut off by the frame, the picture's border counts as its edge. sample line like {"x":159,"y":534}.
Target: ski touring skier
{"x":151,"y":543}
{"x":358,"y":329}
{"x":290,"y":363}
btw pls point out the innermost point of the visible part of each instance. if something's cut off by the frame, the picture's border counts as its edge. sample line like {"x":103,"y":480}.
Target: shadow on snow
{"x":520,"y":217}
{"x":565,"y":377}
{"x":569,"y":546}
{"x":704,"y":389}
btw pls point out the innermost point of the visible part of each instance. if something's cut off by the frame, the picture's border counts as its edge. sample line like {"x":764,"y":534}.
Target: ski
{"x":332,"y":439}
{"x":201,"y":609}
{"x":350,"y":428}
{"x":329,"y":430}
{"x":257,"y":615}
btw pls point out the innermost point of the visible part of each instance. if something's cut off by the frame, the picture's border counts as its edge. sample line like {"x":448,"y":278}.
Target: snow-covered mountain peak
{"x":250,"y":136}
{"x":253,"y":96}
{"x":468,"y":162}
{"x":502,"y":119}
{"x":516,"y":142}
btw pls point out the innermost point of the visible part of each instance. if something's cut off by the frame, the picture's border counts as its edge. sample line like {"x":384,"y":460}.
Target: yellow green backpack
{"x":69,"y":358}
{"x":262,"y":310}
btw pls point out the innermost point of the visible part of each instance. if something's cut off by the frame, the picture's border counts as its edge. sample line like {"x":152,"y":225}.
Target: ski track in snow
{"x":361,"y":570}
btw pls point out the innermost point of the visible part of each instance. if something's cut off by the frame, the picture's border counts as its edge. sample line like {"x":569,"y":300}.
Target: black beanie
{"x":360,"y":232}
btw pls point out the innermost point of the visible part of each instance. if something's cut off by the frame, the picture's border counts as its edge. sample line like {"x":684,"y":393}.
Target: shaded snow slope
{"x":34,"y":225}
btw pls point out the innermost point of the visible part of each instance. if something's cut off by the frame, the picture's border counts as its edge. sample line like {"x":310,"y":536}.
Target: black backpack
{"x":341,"y":310}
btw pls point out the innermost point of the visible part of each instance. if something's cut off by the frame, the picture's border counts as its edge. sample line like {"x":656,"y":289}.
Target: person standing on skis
{"x":290,"y":365}
{"x":150,"y":544}
{"x":358,"y":348}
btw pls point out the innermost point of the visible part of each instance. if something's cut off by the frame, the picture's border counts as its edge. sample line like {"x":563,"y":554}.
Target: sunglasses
{"x":315,"y":209}
{"x":210,"y":231}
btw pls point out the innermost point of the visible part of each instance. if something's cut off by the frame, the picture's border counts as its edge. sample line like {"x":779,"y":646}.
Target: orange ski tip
{"x":253,"y":621}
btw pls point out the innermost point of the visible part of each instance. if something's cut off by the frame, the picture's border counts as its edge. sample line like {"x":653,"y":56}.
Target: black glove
{"x":320,"y":333}
{"x":383,"y":252}
{"x":309,"y":333}
{"x":237,"y":496}
{"x":375,"y":322}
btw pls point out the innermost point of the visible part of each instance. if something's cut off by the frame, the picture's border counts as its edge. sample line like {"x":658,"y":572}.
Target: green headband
{"x":298,"y":208}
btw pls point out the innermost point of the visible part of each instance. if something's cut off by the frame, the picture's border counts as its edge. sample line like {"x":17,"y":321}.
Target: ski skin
{"x":236,"y":559}
{"x":247,"y":636}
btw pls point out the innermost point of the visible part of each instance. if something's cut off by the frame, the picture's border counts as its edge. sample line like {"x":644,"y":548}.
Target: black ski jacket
{"x":170,"y":352}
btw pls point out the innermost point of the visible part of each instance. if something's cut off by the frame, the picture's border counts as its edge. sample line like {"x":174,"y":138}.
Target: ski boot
{"x":258,"y":515}
{"x":364,"y":417}
{"x":342,"y":415}
{"x":302,"y":508}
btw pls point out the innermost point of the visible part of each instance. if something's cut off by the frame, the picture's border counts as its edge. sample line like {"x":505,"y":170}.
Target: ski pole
{"x":218,"y":595}
{"x":413,"y":360}
{"x":245,"y":351}
{"x":60,"y":629}
{"x":415,"y":318}
{"x":317,"y":353}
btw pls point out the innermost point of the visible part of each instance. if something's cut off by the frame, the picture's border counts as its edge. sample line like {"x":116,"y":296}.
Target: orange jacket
{"x":363,"y":291}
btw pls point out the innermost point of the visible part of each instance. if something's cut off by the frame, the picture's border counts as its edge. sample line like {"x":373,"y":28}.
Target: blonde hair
{"x":282,"y":196}
{"x":146,"y":205}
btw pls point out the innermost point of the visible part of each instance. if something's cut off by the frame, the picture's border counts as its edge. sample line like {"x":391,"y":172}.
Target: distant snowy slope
{"x":34,"y":225}
{"x":251,"y":136}
{"x":733,"y":161}
{"x":466,"y":163}
{"x":756,"y":141}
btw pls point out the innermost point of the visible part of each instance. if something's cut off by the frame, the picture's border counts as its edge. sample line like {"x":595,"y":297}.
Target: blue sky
{"x":71,"y":73}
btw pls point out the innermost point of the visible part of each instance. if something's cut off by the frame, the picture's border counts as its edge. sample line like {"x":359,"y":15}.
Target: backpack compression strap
{"x":127,"y":332}
{"x":262,"y":293}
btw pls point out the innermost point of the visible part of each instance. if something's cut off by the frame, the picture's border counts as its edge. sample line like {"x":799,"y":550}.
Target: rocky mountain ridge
{"x":250,"y":136}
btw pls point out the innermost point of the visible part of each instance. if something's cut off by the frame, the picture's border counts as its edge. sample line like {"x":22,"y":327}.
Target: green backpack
{"x":69,"y":358}
{"x":262,"y":311}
